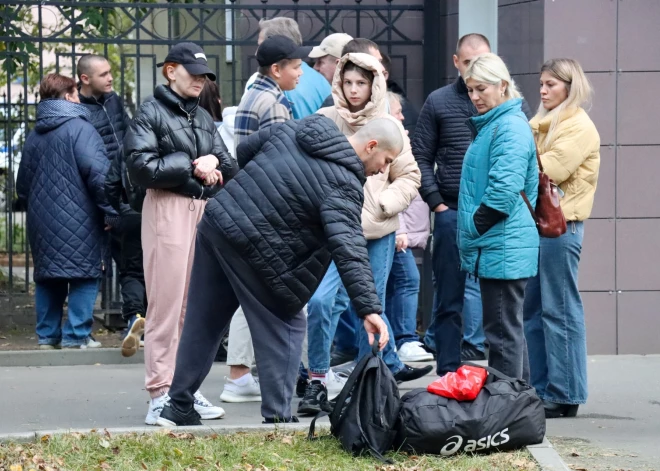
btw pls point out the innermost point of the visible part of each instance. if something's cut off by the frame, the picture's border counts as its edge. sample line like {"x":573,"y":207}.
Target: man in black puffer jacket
{"x":441,"y":138}
{"x":266,"y":241}
{"x":108,"y":116}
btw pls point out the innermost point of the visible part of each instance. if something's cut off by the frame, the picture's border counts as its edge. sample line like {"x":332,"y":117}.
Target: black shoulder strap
{"x":312,"y":426}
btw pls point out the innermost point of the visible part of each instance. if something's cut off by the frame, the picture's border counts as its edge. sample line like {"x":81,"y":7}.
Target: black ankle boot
{"x":554,"y":410}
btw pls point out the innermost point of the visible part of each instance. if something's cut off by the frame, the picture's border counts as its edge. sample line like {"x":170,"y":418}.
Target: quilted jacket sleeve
{"x":24,"y":177}
{"x":424,"y":145}
{"x":227,"y":165}
{"x":509,"y":159}
{"x":89,"y":153}
{"x":146,"y":166}
{"x":405,"y":177}
{"x":340,"y":215}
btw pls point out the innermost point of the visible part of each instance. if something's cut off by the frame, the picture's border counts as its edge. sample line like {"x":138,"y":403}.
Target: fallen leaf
{"x":16,"y":467}
{"x":287,"y":440}
{"x":115,"y":450}
{"x":575,"y":453}
{"x":107,"y":434}
{"x":177,"y":452}
{"x":104,"y":443}
{"x":45,"y":438}
{"x":36,"y":459}
{"x":144,"y":466}
{"x":105,"y":465}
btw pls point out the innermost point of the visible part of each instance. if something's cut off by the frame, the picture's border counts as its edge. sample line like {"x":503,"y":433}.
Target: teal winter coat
{"x":499,"y":164}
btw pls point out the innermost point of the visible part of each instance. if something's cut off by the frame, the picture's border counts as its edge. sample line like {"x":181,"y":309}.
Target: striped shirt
{"x":262,"y":105}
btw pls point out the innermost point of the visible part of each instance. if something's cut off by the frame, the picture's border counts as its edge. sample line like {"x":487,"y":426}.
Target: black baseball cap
{"x":277,"y":48}
{"x":190,"y":56}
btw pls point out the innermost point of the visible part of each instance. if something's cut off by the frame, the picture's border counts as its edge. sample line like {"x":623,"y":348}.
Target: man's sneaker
{"x":247,"y":392}
{"x":335,"y":384}
{"x":338,"y":357}
{"x":155,"y":407}
{"x":301,"y":386}
{"x":471,"y":353}
{"x":131,"y":343}
{"x":89,"y":342}
{"x":47,"y":346}
{"x":277,"y":420}
{"x":413,"y":351}
{"x":345,"y":370}
{"x":206,"y":410}
{"x":170,"y":416}
{"x":315,"y":400}
{"x":408,"y":373}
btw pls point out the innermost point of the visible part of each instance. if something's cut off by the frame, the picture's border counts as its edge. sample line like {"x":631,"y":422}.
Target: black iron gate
{"x":41,"y":36}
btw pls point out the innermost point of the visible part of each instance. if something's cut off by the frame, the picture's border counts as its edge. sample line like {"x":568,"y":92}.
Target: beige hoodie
{"x":389,"y":193}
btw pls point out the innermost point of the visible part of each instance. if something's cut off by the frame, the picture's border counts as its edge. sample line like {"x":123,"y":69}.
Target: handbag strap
{"x":529,"y":206}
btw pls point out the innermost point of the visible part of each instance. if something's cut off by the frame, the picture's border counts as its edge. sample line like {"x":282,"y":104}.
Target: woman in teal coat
{"x":497,"y":236}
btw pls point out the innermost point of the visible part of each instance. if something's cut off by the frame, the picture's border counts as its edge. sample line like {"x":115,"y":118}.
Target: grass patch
{"x":239,"y":451}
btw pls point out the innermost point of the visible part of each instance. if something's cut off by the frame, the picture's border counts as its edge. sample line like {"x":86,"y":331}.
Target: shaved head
{"x":473,"y":40}
{"x":87,"y":62}
{"x":377,"y":144}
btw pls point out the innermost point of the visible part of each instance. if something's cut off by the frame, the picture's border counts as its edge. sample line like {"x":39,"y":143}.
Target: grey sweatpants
{"x":217,"y":287}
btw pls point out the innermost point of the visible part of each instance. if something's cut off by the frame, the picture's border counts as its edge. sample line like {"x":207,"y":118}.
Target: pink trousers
{"x":169,"y":228}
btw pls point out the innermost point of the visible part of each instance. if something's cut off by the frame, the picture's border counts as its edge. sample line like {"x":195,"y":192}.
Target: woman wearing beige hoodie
{"x":360,"y":95}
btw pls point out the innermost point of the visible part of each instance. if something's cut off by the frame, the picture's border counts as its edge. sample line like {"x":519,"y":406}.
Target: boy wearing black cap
{"x":264,"y":104}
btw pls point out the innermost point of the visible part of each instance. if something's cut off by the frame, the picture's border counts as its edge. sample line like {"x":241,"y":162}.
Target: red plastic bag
{"x":464,"y":385}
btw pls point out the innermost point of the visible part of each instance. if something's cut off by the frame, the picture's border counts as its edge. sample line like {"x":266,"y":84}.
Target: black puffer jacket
{"x":442,"y":136}
{"x":296,"y":205}
{"x":107,"y":115}
{"x":165,"y":137}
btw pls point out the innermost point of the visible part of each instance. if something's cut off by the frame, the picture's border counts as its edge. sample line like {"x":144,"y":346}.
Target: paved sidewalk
{"x":620,"y":424}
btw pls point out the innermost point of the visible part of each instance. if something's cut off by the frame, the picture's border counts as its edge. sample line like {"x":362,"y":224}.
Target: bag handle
{"x":492,"y":371}
{"x":312,"y":426}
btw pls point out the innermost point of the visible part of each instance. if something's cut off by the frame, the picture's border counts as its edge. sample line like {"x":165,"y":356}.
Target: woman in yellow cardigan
{"x":569,"y":146}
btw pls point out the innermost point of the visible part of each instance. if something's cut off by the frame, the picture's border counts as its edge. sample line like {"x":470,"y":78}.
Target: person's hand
{"x":441,"y":208}
{"x":401,"y":242}
{"x":374,"y":324}
{"x":107,"y":227}
{"x":213,"y":178}
{"x":205,"y":165}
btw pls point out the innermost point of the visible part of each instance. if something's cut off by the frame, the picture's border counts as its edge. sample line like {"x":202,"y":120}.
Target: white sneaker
{"x":249,"y":392}
{"x":334,"y":385}
{"x":413,"y":351}
{"x":206,"y":410}
{"x":155,"y":407}
{"x":89,"y":342}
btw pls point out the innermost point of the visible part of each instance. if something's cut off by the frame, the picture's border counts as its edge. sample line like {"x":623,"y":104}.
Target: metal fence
{"x":38,"y":37}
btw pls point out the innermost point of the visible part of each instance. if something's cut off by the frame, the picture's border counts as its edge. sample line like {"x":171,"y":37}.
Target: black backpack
{"x":365,"y":416}
{"x":507,"y":414}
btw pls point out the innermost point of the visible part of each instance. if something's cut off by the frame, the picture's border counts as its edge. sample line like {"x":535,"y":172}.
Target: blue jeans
{"x":554,"y":321}
{"x":330,"y":301}
{"x":473,"y":319}
{"x":403,"y":297}
{"x":345,"y":340}
{"x":49,"y":302}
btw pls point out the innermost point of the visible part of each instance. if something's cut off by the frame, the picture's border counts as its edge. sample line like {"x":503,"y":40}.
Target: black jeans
{"x":503,"y":325}
{"x":449,"y":292}
{"x":131,"y":271}
{"x":218,"y":282}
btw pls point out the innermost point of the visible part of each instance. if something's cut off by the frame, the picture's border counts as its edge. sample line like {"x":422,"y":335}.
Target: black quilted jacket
{"x":61,"y":177}
{"x":165,"y":137}
{"x":107,"y":115}
{"x":442,"y":137}
{"x":295,"y":206}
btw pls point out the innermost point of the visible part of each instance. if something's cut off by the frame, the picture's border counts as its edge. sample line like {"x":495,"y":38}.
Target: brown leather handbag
{"x":548,"y":216}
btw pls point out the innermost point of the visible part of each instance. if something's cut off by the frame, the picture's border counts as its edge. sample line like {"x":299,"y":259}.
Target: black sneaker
{"x":277,"y":420}
{"x":301,"y":386}
{"x":315,"y":400}
{"x":339,"y":358}
{"x":170,"y":416}
{"x":471,"y":353}
{"x":408,"y":373}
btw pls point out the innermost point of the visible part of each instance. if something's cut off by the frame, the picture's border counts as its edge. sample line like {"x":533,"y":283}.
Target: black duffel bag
{"x":507,"y":414}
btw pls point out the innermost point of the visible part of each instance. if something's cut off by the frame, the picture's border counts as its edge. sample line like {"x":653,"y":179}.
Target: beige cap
{"x":331,"y":45}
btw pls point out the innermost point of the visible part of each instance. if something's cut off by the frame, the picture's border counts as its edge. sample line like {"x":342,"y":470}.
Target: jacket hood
{"x":320,"y":137}
{"x":512,"y":105}
{"x":52,"y":113}
{"x":377,"y":105}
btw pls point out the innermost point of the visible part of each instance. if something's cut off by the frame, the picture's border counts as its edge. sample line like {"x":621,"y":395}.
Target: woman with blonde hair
{"x":497,"y":237}
{"x":569,"y":148}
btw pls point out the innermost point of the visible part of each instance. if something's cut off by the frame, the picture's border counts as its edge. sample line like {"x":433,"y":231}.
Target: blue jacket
{"x":308,"y":96}
{"x":498,"y":165}
{"x":61,"y":178}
